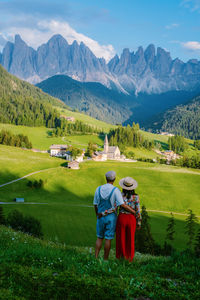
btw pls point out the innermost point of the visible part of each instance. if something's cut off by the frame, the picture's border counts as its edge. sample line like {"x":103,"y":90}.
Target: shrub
{"x":26,"y":224}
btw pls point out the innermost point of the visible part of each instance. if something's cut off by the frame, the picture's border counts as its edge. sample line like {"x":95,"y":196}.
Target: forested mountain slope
{"x":91,"y":98}
{"x":183,"y":120}
{"x":23,"y":104}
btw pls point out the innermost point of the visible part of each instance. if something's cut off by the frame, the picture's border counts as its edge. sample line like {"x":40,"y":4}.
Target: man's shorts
{"x":106,"y":226}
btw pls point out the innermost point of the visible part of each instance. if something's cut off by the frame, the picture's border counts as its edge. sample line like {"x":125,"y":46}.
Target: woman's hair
{"x":129,"y":193}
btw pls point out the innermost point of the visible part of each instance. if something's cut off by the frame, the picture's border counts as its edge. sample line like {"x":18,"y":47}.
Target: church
{"x":110,"y":152}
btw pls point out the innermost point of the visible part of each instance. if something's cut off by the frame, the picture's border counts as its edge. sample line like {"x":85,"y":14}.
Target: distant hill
{"x":183,"y":120}
{"x":24,"y":104}
{"x":91,"y":98}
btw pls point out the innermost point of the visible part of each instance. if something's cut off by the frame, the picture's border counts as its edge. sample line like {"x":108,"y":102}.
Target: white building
{"x":58,"y":150}
{"x":110,"y":152}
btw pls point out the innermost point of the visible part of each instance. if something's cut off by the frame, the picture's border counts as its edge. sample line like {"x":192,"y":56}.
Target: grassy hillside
{"x":35,"y":269}
{"x":68,"y":214}
{"x":41,"y":139}
{"x":86,"y":119}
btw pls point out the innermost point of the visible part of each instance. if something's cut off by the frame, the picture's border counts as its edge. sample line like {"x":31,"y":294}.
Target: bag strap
{"x":99,"y":190}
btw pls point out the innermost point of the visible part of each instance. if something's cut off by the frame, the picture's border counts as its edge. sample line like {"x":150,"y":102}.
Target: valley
{"x":88,"y":87}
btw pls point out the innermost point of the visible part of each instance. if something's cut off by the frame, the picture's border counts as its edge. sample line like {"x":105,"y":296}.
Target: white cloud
{"x":44,"y":30}
{"x":192,"y":5}
{"x":171,"y":26}
{"x":193,"y":45}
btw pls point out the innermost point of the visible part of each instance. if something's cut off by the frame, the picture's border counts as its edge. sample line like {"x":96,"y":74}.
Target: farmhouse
{"x":166,"y":133}
{"x":73,"y":165}
{"x":58,"y":150}
{"x":71,"y":119}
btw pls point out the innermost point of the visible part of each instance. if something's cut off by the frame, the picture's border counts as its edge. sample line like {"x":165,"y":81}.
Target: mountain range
{"x":148,"y":71}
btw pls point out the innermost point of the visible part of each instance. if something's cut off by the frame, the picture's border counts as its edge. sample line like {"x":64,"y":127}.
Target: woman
{"x":127,"y":222}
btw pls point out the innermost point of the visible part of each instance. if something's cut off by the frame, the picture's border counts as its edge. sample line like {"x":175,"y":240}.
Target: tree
{"x":75,"y":152}
{"x":32,"y":226}
{"x":15,"y":219}
{"x":2,"y":217}
{"x":26,"y":224}
{"x":90,"y":149}
{"x":197,"y":144}
{"x":190,"y":227}
{"x":197,"y":245}
{"x":170,"y":229}
{"x":144,"y":240}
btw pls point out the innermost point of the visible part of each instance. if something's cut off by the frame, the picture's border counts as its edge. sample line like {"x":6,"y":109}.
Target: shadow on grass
{"x":163,"y":144}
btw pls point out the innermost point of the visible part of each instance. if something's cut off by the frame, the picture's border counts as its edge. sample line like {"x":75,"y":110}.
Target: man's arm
{"x":128,"y":208}
{"x":98,"y":215}
{"x":96,"y":209}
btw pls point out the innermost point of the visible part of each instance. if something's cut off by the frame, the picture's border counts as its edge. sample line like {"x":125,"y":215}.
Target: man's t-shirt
{"x":116,"y":198}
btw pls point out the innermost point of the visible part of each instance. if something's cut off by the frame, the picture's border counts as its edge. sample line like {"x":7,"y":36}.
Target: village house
{"x":73,"y":165}
{"x":167,"y":133}
{"x":169,"y":155}
{"x":58,"y":150}
{"x":71,"y":119}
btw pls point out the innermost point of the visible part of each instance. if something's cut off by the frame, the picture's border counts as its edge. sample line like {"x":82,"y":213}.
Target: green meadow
{"x":41,"y":139}
{"x":64,"y":204}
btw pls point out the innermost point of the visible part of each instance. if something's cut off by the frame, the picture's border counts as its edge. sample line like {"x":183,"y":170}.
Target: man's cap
{"x":111,"y":175}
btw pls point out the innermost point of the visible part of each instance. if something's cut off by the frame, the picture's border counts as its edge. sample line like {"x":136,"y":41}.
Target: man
{"x":106,"y":200}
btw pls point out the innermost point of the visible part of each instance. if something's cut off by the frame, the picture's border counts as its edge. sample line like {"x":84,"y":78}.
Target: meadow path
{"x":25,"y":176}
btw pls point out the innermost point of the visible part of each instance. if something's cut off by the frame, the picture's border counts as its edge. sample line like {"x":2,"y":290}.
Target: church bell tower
{"x":106,"y":144}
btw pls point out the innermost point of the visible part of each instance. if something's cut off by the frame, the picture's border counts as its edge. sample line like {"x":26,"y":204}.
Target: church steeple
{"x":106,"y":145}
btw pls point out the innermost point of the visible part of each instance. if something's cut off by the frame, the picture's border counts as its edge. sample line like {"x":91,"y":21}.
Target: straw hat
{"x":128,"y":183}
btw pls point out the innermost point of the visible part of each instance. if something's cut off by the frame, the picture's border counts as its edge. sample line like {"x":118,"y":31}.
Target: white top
{"x":116,"y":198}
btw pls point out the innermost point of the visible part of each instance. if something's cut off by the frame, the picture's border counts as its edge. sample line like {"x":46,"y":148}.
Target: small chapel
{"x":109,"y":152}
{"x":112,"y":152}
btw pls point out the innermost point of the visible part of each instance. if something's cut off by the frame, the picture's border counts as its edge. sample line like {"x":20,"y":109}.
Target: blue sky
{"x":106,"y":26}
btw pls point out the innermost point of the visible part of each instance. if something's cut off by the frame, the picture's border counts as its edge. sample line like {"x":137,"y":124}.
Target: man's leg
{"x":107,"y":247}
{"x":98,"y":246}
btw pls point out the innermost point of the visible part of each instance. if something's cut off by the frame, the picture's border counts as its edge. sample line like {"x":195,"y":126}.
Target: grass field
{"x":68,"y":214}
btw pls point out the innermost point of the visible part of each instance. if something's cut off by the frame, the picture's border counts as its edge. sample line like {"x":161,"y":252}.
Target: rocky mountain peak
{"x":146,"y":70}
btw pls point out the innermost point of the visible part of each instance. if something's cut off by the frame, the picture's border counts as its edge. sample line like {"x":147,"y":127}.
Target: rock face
{"x":151,"y":71}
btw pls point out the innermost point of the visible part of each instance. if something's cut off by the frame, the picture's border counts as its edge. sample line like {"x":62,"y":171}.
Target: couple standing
{"x":107,"y":199}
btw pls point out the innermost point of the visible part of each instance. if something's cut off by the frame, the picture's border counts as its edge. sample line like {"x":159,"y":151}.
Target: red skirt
{"x":125,"y":236}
